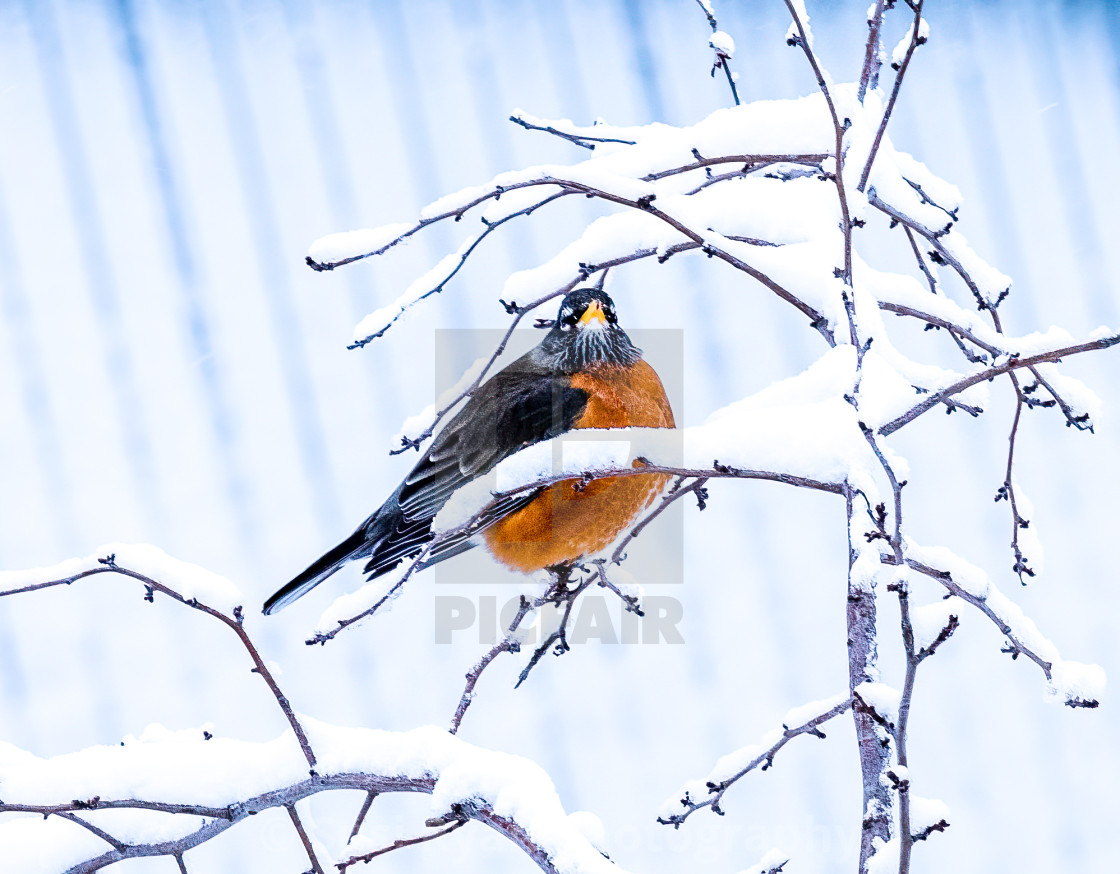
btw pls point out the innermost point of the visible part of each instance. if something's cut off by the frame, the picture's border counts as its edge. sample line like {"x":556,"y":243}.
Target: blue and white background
{"x":171,"y":372}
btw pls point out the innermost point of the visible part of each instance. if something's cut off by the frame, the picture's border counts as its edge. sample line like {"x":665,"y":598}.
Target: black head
{"x":586,"y":334}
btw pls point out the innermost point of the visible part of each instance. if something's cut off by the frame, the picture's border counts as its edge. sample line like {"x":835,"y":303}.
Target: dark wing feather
{"x":515,"y":409}
{"x":512,"y":411}
{"x":521,"y":405}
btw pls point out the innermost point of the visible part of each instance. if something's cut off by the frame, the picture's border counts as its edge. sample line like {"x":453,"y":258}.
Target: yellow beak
{"x":594,"y":311}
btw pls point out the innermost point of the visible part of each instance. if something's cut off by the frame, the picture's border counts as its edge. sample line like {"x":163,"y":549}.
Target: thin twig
{"x":721,"y":58}
{"x":559,"y":637}
{"x":674,"y":494}
{"x":304,"y":839}
{"x":398,"y":844}
{"x":954,"y":332}
{"x":509,"y":643}
{"x":1007,"y":490}
{"x":700,"y":163}
{"x":89,"y":826}
{"x":366,"y":805}
{"x":583,"y":140}
{"x":933,"y":238}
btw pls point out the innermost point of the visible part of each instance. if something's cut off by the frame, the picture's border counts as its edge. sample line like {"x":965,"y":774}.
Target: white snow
{"x":1073,"y":391}
{"x":881,"y":698}
{"x":220,"y":772}
{"x":925,"y":812}
{"x":792,"y":32}
{"x":591,"y":827}
{"x":930,"y":620}
{"x":351,"y":604}
{"x":414,"y":426}
{"x":723,"y":44}
{"x":1069,"y":680}
{"x":1074,"y":681}
{"x":354,"y":244}
{"x":943,"y":193}
{"x":798,"y":716}
{"x":189,"y":580}
{"x":768,"y":863}
{"x":904,"y":44}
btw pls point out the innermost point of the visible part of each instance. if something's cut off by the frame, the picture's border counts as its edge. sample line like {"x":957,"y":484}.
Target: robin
{"x":585,"y":373}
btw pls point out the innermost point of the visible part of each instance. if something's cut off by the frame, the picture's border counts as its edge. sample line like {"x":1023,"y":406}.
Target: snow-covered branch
{"x":709,"y":792}
{"x":182,"y":789}
{"x":1075,"y":684}
{"x":209,"y":786}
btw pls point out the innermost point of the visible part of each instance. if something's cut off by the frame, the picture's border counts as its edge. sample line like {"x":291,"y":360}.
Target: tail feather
{"x":319,"y":570}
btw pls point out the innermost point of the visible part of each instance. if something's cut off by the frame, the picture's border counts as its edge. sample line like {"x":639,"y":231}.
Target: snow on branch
{"x":172,"y":791}
{"x":709,"y":792}
{"x":182,"y":789}
{"x":1073,"y":683}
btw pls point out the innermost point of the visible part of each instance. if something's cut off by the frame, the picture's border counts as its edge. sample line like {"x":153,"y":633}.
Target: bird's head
{"x":586,"y":334}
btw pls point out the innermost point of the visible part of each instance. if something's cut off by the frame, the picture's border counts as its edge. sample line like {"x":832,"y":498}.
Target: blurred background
{"x":171,"y":372}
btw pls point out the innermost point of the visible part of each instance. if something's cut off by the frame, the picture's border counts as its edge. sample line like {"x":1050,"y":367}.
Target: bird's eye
{"x":611,"y":317}
{"x":569,"y":320}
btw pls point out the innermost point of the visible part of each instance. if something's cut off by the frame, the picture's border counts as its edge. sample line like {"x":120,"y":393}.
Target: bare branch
{"x":582,"y":140}
{"x":366,"y":805}
{"x":398,"y":844}
{"x":749,"y":162}
{"x":89,"y":826}
{"x":558,"y":594}
{"x":674,"y":494}
{"x":1007,"y":490}
{"x":304,"y":839}
{"x":509,"y":643}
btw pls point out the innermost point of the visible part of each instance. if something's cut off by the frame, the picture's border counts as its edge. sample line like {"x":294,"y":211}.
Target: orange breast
{"x":570,"y":520}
